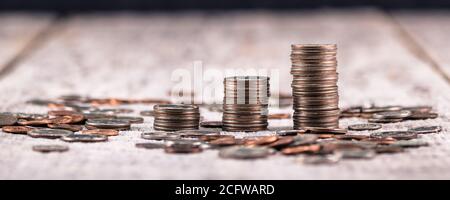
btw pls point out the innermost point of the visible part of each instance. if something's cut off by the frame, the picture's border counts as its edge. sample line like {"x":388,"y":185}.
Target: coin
{"x":108,"y":123}
{"x":174,"y":117}
{"x":290,"y":132}
{"x":392,"y":114}
{"x":314,"y":148}
{"x":304,"y":139}
{"x":37,"y":122}
{"x":282,"y":142}
{"x":7,"y":120}
{"x":225,"y":141}
{"x":183,"y":148}
{"x":261,"y":140}
{"x":158,"y":135}
{"x":84,"y":138}
{"x":69,"y":127}
{"x":320,"y":159}
{"x":357,"y":153}
{"x":421,"y":116}
{"x":50,"y":148}
{"x":150,"y":145}
{"x":105,"y":132}
{"x":426,"y":129}
{"x":48,"y":133}
{"x":418,"y":109}
{"x":410,"y":143}
{"x":212,"y":137}
{"x":241,"y":152}
{"x":132,"y":120}
{"x":373,"y":120}
{"x":317,"y":130}
{"x":351,"y":137}
{"x":364,"y":127}
{"x":149,"y":113}
{"x":398,"y":135}
{"x":388,"y":149}
{"x":211,"y":124}
{"x":17,"y":129}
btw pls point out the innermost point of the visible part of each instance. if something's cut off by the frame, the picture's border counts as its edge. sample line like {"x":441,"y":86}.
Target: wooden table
{"x":398,"y":58}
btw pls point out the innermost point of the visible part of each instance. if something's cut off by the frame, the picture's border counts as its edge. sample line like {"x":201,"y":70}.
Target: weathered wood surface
{"x":17,"y":31}
{"x":128,"y":55}
{"x":431,"y":30}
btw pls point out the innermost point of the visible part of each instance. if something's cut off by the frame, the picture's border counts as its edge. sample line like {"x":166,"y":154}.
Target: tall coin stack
{"x":175,"y":117}
{"x":245,"y":106}
{"x":314,"y":86}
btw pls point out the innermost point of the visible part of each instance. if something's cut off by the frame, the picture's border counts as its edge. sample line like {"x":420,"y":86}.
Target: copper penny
{"x":301,"y":149}
{"x":261,"y":140}
{"x":16,"y":129}
{"x":69,"y":127}
{"x":105,"y":132}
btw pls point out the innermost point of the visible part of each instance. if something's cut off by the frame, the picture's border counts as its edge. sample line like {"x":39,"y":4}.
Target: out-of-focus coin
{"x":282,"y":142}
{"x":7,"y":120}
{"x":373,"y":120}
{"x":182,"y":148}
{"x":314,"y":148}
{"x":290,"y":132}
{"x":241,"y":152}
{"x":158,"y":135}
{"x":84,"y":138}
{"x":392,"y":114}
{"x":280,"y":116}
{"x":426,"y":129}
{"x":305,"y":139}
{"x":380,"y":141}
{"x":150,"y":145}
{"x":108,"y":123}
{"x":211,"y":137}
{"x":48,"y":133}
{"x":105,"y":132}
{"x":132,"y":120}
{"x":261,"y":140}
{"x":226,"y":141}
{"x":69,"y":127}
{"x":17,"y":129}
{"x":36,"y":122}
{"x":50,"y":148}
{"x":320,"y":159}
{"x":388,"y":149}
{"x":211,"y":124}
{"x":317,"y":130}
{"x":351,"y":137}
{"x":148,"y":113}
{"x":418,"y":109}
{"x":357,"y":153}
{"x":422,"y":116}
{"x":364,"y":127}
{"x":398,"y":135}
{"x":410,"y":143}
{"x":195,"y":133}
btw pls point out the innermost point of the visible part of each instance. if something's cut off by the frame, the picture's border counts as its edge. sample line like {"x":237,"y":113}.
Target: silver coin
{"x":393,"y":120}
{"x":357,"y":153}
{"x":150,"y":145}
{"x":392,"y":114}
{"x":50,"y":148}
{"x":398,"y":135}
{"x":108,"y":123}
{"x":132,"y":120}
{"x":149,"y":113}
{"x":241,"y":152}
{"x":304,"y":139}
{"x":7,"y":119}
{"x":159,"y":135}
{"x":290,"y":132}
{"x":84,"y":138}
{"x":426,"y":129}
{"x":364,"y":127}
{"x":388,"y":149}
{"x":48,"y":133}
{"x":410,"y":143}
{"x":321,"y":159}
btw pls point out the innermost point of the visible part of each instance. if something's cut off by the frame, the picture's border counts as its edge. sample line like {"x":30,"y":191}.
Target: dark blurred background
{"x":92,"y":5}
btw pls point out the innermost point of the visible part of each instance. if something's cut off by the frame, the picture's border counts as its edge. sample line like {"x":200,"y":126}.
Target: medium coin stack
{"x":245,"y":106}
{"x":314,"y":86}
{"x":175,"y":117}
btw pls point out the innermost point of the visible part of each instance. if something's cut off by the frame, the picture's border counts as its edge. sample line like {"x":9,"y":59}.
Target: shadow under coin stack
{"x":175,"y":117}
{"x":245,"y":106}
{"x":314,"y":86}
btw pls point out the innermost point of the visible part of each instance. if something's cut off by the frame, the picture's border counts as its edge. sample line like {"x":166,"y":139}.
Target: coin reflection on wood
{"x":245,"y":105}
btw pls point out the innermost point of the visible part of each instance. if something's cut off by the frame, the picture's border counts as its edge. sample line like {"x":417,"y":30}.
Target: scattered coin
{"x":373,"y":120}
{"x":261,"y":140}
{"x":211,"y":124}
{"x":356,"y":153}
{"x":7,"y":120}
{"x":410,"y":143}
{"x":392,"y":114}
{"x":132,"y":120}
{"x":225,"y":141}
{"x":398,"y":135}
{"x":241,"y":152}
{"x":320,"y":159}
{"x":108,"y":123}
{"x":50,"y":148}
{"x":421,"y":116}
{"x":151,"y":145}
{"x":69,"y":127}
{"x":84,"y":138}
{"x":282,"y":142}
{"x":105,"y":132}
{"x":290,"y":132}
{"x":304,"y":139}
{"x":17,"y":129}
{"x":364,"y":127}
{"x":183,"y":148}
{"x":48,"y":133}
{"x":426,"y":129}
{"x":159,"y":135}
{"x":388,"y":149}
{"x":148,"y":113}
{"x":317,"y":130}
{"x":351,"y":137}
{"x":211,"y":137}
{"x":314,"y":148}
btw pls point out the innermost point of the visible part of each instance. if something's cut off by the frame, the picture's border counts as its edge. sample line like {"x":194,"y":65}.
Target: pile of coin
{"x":245,"y":105}
{"x":174,"y":117}
{"x":314,"y":86}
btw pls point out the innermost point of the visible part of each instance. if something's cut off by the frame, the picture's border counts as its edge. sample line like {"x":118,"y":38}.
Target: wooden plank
{"x":129,"y":55}
{"x":17,"y":31}
{"x":431,"y":31}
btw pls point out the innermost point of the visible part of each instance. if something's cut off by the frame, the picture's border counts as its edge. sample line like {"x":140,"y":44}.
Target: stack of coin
{"x":174,"y":117}
{"x":245,"y":106}
{"x":314,"y":86}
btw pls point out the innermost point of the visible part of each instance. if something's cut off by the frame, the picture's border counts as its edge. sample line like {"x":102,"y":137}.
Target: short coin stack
{"x":245,"y":106}
{"x":174,"y":117}
{"x":314,"y":86}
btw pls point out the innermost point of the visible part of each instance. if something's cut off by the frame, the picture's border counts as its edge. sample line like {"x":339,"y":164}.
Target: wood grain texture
{"x":17,"y":31}
{"x":431,"y":30}
{"x":129,"y":55}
